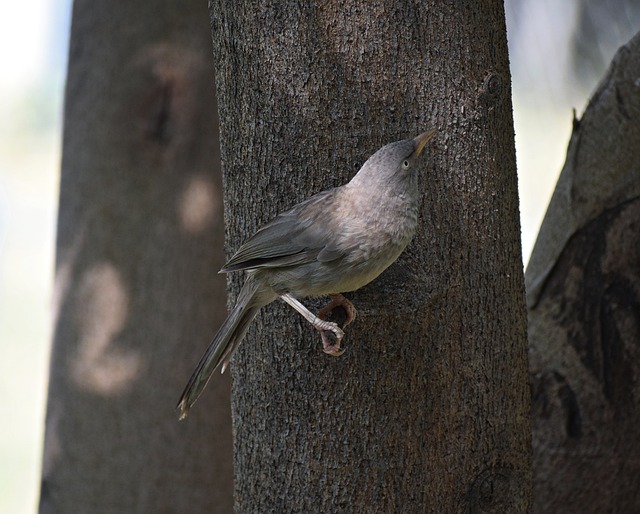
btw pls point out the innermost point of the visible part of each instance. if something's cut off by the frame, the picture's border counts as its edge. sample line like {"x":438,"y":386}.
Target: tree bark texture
{"x":140,"y":239}
{"x":428,"y":409}
{"x":583,"y":293}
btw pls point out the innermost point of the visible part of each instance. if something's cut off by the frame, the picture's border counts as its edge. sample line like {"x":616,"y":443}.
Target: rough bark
{"x":428,"y":409}
{"x":583,"y":293}
{"x":139,"y":242}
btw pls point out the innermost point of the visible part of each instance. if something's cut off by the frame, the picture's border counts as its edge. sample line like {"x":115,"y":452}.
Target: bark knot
{"x":492,"y":90}
{"x":496,"y":489}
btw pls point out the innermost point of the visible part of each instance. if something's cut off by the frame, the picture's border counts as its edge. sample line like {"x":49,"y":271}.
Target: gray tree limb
{"x":428,"y":409}
{"x":139,"y":243}
{"x":583,"y":293}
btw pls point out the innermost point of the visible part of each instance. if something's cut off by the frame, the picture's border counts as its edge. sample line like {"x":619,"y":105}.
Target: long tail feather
{"x":222,"y":346}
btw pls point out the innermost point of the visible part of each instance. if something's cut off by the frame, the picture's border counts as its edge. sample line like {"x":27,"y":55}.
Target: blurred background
{"x":559,"y":51}
{"x":33,"y":54}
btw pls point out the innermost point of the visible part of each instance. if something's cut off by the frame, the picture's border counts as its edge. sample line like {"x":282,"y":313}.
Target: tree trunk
{"x":139,"y":243}
{"x":583,"y":292}
{"x":428,"y":409}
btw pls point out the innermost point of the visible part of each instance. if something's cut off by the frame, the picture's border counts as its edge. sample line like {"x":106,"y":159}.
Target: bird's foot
{"x":337,"y":300}
{"x":329,"y":346}
{"x":322,"y":325}
{"x":332,"y":347}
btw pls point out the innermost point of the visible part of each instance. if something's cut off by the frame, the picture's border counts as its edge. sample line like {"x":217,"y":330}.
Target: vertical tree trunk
{"x":583,"y":291}
{"x":428,"y":409}
{"x":139,"y":244}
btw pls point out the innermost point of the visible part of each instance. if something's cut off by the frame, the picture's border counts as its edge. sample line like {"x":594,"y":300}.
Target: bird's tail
{"x":223,"y":344}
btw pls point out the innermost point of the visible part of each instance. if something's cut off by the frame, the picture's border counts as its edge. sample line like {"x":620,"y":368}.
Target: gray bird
{"x":336,"y":241}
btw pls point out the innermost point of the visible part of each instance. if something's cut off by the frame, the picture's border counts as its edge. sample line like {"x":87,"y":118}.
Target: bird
{"x":334,"y":242}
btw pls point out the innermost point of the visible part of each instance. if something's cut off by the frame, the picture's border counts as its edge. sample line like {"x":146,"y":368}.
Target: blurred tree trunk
{"x":139,"y":244}
{"x":428,"y":409}
{"x":583,"y":293}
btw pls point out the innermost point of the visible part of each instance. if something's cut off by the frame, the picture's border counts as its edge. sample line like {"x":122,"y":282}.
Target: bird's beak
{"x":422,"y":140}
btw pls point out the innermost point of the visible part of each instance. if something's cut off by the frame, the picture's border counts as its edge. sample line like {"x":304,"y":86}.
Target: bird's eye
{"x":406,"y":164}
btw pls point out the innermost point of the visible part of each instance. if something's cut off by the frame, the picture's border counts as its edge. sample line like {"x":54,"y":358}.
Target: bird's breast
{"x":376,"y":240}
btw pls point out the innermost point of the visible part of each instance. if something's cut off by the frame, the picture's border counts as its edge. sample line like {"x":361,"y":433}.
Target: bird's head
{"x":393,"y":162}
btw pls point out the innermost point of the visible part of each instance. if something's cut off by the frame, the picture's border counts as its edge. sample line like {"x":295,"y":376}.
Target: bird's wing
{"x":299,"y":235}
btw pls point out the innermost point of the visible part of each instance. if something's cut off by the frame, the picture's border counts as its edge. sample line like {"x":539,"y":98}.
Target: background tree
{"x":583,"y":292}
{"x":139,"y":244}
{"x":429,"y":407}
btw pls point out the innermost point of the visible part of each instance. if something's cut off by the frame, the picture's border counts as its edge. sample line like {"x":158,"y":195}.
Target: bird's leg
{"x":319,"y":324}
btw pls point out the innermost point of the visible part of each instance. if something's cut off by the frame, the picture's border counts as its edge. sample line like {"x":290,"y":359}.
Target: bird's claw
{"x":329,"y":347}
{"x":337,"y":300}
